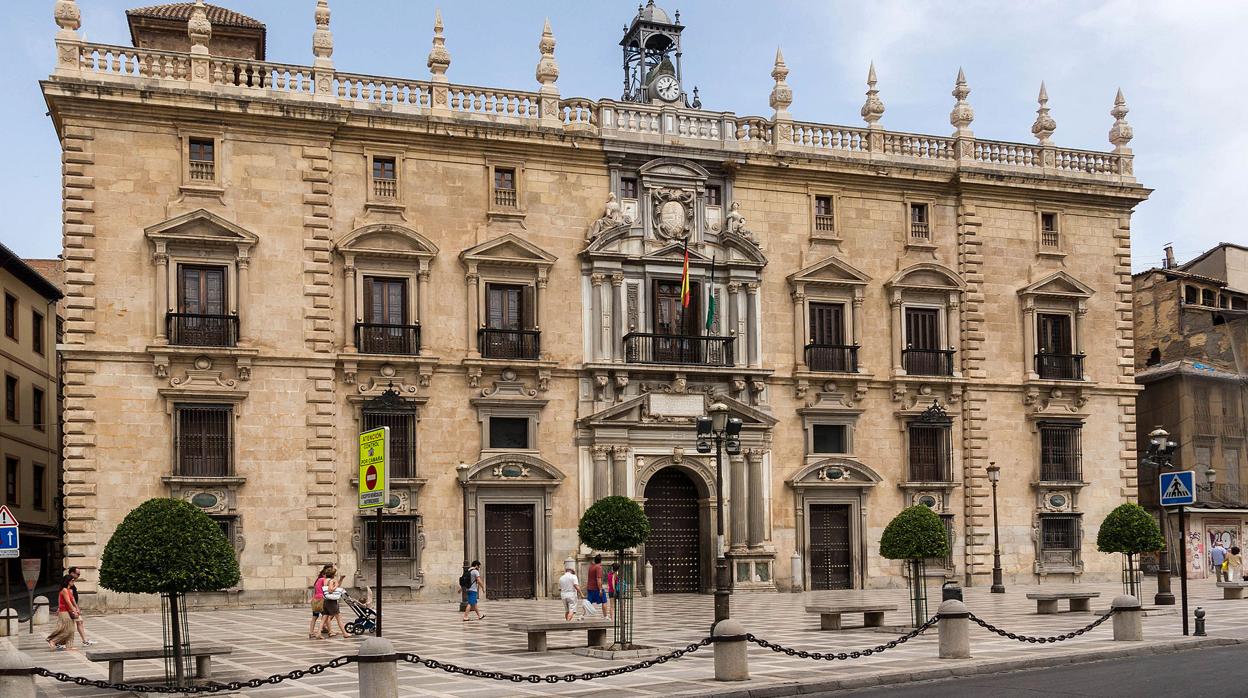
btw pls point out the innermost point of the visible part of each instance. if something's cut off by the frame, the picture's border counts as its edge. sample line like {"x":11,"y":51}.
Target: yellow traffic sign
{"x":374,"y":476}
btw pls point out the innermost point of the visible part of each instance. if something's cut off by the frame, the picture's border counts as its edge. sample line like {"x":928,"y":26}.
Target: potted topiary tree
{"x":169,"y":547}
{"x":914,"y":535}
{"x":1130,"y":530}
{"x":617,"y":524}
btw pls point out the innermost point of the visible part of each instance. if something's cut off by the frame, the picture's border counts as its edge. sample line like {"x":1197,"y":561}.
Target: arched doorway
{"x":674,"y":547}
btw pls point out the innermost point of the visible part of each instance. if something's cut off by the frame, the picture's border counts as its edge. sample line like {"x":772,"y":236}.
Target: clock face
{"x":667,"y":88}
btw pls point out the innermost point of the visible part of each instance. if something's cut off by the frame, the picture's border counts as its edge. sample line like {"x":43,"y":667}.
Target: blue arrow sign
{"x":9,"y":545}
{"x":1178,"y":489}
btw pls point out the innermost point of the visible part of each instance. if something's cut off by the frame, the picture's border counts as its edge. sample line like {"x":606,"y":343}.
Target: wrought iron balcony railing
{"x":509,"y":344}
{"x":651,"y":348}
{"x":199,"y":330}
{"x":842,"y":358}
{"x":1064,"y":367}
{"x":381,"y":338}
{"x":927,"y":362}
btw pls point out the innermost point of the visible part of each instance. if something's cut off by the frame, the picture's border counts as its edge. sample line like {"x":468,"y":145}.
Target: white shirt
{"x":568,"y":583}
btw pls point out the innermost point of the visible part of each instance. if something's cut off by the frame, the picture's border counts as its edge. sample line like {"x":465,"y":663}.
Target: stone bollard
{"x":1128,"y":619}
{"x":730,"y":656}
{"x":1200,"y":623}
{"x":9,"y":625}
{"x":954,"y":630}
{"x":41,"y":610}
{"x":648,"y":589}
{"x":379,"y":675}
{"x":795,"y":568}
{"x":15,"y":679}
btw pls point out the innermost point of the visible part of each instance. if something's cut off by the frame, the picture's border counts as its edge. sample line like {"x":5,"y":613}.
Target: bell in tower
{"x":650,"y":45}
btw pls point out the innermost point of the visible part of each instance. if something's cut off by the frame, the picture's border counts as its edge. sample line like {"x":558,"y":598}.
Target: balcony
{"x":1060,"y":367}
{"x":920,"y":231}
{"x":650,"y":348}
{"x":1225,"y":494}
{"x":927,"y":362}
{"x":379,"y":338}
{"x":385,"y":188}
{"x":841,"y":358}
{"x":203,"y":170}
{"x":505,"y":198}
{"x":509,"y":344}
{"x":198,"y":330}
{"x":825,"y":223}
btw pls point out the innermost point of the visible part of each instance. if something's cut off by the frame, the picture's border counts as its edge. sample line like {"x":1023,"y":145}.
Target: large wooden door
{"x":509,"y":543}
{"x":831,"y":557}
{"x":674,"y":547}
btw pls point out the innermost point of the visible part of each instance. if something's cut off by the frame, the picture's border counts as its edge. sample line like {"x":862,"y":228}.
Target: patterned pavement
{"x":275,"y":641}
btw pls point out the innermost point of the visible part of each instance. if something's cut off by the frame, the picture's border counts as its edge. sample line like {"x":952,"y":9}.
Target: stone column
{"x":953,"y":322}
{"x":899,"y":332}
{"x":474,"y":321}
{"x":602,"y":482}
{"x":1081,"y":313}
{"x":604,"y":323}
{"x":1029,"y":338}
{"x":619,"y":471}
{"x":758,"y":490}
{"x":799,"y":329}
{"x":539,"y":314}
{"x":422,"y":301}
{"x":617,"y":317}
{"x":752,"y":333}
{"x":597,"y":311}
{"x":739,"y":498}
{"x":856,"y":327}
{"x":161,"y":306}
{"x":348,"y":310}
{"x":734,"y":328}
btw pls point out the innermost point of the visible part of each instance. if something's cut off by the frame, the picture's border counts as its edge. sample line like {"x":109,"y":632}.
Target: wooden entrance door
{"x":509,"y":546}
{"x":674,"y":548}
{"x":831,"y":558}
{"x":671,"y":318}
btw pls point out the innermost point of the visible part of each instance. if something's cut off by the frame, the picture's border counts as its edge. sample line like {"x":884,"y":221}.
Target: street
{"x":1192,"y":674}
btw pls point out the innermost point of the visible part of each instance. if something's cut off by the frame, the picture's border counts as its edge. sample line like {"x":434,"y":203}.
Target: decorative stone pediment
{"x":927,"y":276}
{"x":201,"y":227}
{"x":674,"y":168}
{"x":387,"y":240}
{"x":675,"y":252}
{"x":507,"y":250}
{"x":1064,"y":402}
{"x":835,"y":472}
{"x":203,"y":381}
{"x":512,"y":469}
{"x":671,"y":408}
{"x":1059,"y":284}
{"x":829,"y":272}
{"x":742,"y":248}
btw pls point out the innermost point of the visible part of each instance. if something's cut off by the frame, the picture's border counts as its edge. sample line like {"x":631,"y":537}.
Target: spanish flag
{"x":684,"y":280}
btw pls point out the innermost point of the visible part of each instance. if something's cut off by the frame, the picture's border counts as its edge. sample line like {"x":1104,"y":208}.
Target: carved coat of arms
{"x":673,"y":213}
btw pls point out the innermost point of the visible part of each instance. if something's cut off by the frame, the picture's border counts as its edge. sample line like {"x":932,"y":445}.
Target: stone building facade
{"x":266,"y":258}
{"x":1191,"y":357}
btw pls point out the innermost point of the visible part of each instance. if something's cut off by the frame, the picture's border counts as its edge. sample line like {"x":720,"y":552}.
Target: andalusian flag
{"x":684,"y":280}
{"x":710,"y":299}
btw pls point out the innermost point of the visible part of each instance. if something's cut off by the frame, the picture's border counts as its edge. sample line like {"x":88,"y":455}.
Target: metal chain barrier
{"x":856,"y":654}
{"x":556,"y":678}
{"x":209,"y":688}
{"x":1055,"y":638}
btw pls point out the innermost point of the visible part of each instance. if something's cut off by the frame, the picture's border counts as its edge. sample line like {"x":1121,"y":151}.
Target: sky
{"x":1181,"y":65}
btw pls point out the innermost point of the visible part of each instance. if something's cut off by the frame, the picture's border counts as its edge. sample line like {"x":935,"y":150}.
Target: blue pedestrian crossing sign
{"x":9,"y":541}
{"x":1178,"y":489}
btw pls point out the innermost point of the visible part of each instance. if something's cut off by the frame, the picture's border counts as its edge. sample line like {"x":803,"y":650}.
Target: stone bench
{"x":117,"y":658}
{"x":830,"y":614}
{"x":1046,"y":602}
{"x":596,"y":631}
{"x":1233,"y":590}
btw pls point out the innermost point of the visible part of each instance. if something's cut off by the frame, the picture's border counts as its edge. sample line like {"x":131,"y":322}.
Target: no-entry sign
{"x":374,"y":457}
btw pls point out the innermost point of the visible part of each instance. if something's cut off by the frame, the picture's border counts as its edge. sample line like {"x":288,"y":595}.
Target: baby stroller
{"x":365,"y":616}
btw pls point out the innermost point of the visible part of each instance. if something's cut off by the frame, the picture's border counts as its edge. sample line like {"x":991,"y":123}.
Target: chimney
{"x":1169,"y":261}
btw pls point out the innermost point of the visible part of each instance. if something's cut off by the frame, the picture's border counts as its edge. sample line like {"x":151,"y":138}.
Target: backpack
{"x":465,"y":579}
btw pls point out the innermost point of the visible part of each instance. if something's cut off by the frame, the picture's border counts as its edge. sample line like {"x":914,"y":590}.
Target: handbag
{"x":318,"y":605}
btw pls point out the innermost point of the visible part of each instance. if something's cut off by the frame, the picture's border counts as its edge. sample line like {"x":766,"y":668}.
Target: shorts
{"x":569,"y":601}
{"x":473,"y":596}
{"x":596,"y":596}
{"x":331,"y":607}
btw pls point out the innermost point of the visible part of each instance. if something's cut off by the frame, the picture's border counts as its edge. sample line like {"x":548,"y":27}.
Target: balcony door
{"x":827,"y":338}
{"x":1057,"y":347}
{"x":923,"y":328}
{"x":201,"y":319}
{"x":509,"y":322}
{"x":385,"y":314}
{"x":674,"y":320}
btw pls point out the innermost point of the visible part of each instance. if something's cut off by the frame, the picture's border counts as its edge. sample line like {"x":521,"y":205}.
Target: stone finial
{"x":67,"y":17}
{"x":1120,"y":134}
{"x":781,"y":93}
{"x":322,"y":38}
{"x":199,"y":29}
{"x":873,"y":108}
{"x":1044,"y":125}
{"x":547,"y":67}
{"x":439,"y":57}
{"x":962,"y":114}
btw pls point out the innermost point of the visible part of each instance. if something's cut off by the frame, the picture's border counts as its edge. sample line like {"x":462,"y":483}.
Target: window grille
{"x":1061,"y":453}
{"x":204,"y":440}
{"x":402,"y":439}
{"x":930,"y":456}
{"x":1059,"y":533}
{"x":400,"y":538}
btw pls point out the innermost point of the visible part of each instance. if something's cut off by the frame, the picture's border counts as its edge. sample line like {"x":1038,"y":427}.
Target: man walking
{"x":475,"y":588}
{"x":595,"y":595}
{"x":1217,"y":555}
{"x":569,"y":591}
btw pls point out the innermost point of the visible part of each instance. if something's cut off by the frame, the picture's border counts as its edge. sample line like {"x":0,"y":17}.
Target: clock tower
{"x":652,"y":57}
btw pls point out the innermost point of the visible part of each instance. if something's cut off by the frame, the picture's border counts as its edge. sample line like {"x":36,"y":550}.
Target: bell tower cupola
{"x":652,"y":57}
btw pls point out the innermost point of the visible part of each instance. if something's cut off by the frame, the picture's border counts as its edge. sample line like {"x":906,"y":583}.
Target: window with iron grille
{"x":929,"y":453}
{"x":228,"y":524}
{"x":824,"y":222}
{"x":829,"y":438}
{"x":714,"y":195}
{"x":1048,"y":230}
{"x":509,"y":432}
{"x":628,"y":188}
{"x":204,"y":440}
{"x":919,"y":222}
{"x":1061,"y":452}
{"x":36,"y":332}
{"x":399,"y":536}
{"x":385,"y":177}
{"x":202,"y":157}
{"x":945,"y":562}
{"x":402,"y":439}
{"x":505,"y":187}
{"x":1059,"y":533}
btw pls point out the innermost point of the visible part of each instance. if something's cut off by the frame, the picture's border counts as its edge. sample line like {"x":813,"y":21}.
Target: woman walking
{"x":332,"y":586}
{"x":318,"y":605}
{"x":66,"y":613}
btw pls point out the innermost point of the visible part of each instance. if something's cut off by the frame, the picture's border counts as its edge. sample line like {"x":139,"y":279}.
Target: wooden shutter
{"x":827,"y":323}
{"x":1055,"y":336}
{"x":922,"y":330}
{"x":528,"y":308}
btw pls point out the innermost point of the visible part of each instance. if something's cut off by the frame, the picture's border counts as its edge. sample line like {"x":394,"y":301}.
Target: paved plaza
{"x":275,"y":641}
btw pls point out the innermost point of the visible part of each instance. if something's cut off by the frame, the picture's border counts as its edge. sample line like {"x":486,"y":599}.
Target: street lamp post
{"x":1160,"y":454}
{"x":998,"y":586}
{"x":724,"y":432}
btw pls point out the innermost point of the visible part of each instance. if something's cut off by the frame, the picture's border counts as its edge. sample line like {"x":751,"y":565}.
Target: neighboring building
{"x":1191,"y":356}
{"x":264,"y":259}
{"x":30,"y":434}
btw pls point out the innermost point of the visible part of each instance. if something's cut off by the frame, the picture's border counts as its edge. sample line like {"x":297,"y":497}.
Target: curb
{"x":964,"y":668}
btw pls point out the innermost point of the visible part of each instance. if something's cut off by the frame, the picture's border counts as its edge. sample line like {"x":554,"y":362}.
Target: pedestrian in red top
{"x":66,"y":612}
{"x":595,"y":594}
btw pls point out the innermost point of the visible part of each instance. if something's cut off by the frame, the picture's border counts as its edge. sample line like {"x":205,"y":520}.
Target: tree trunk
{"x":175,"y":633}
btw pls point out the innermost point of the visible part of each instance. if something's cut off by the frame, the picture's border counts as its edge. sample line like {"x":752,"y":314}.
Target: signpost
{"x":375,"y":491}
{"x":10,"y":547}
{"x":30,"y":573}
{"x":1178,"y":489}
